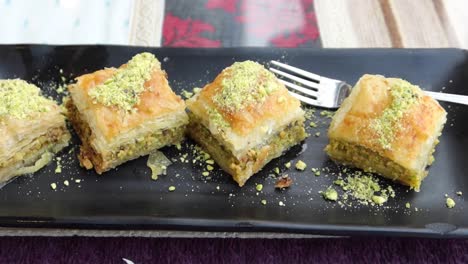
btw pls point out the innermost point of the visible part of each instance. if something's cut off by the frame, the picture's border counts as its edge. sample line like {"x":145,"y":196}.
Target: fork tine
{"x":299,"y":88}
{"x":307,"y":74}
{"x":304,"y":99}
{"x":295,"y":78}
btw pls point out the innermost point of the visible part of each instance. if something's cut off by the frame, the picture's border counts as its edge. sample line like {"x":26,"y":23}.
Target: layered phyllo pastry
{"x":32,"y":129}
{"x":244,"y":119}
{"x":126,"y":112}
{"x":387,"y":126}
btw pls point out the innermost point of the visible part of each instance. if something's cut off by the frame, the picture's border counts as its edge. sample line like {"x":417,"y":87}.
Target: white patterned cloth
{"x":65,"y":21}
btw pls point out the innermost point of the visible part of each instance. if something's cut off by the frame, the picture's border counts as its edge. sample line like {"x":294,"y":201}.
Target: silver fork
{"x":330,"y":93}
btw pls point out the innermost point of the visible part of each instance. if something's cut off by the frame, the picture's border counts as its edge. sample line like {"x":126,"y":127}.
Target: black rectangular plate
{"x":126,"y":198}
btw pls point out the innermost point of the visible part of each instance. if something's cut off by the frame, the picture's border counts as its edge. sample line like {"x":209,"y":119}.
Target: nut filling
{"x":255,"y":159}
{"x":90,"y":158}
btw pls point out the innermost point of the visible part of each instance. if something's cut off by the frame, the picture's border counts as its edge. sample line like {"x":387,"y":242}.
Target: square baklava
{"x":244,"y":119}
{"x":387,"y":126}
{"x":126,"y":112}
{"x":32,"y":126}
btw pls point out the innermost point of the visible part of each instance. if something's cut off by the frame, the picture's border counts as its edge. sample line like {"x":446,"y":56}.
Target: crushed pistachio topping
{"x":459,"y":193}
{"x":78,"y":180}
{"x":403,"y":96}
{"x":276,"y":170}
{"x":264,"y":202}
{"x":317,"y":134}
{"x":288,"y":165}
{"x":20,"y":99}
{"x":171,"y":188}
{"x":309,"y":112}
{"x":339,"y":182}
{"x":450,"y":203}
{"x":205,"y":173}
{"x":186,"y":94}
{"x":66,"y":182}
{"x":217,"y":118}
{"x":58,"y":169}
{"x":330,"y":194}
{"x":209,"y":167}
{"x":259,"y":187}
{"x":123,"y":89}
{"x":245,"y":83}
{"x":379,"y":200}
{"x":178,"y":146}
{"x":365,"y":188}
{"x":408,"y":205}
{"x":300,"y":165}
{"x":313,"y":124}
{"x":53,"y":186}
{"x":327,"y":113}
{"x":362,"y":187}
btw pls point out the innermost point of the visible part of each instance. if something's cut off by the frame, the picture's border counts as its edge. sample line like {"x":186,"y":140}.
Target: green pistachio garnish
{"x":450,"y":203}
{"x":186,"y":94}
{"x":326,"y":113}
{"x":259,"y":187}
{"x":245,"y":83}
{"x":217,"y":118}
{"x":123,"y":89}
{"x":365,"y":188}
{"x":171,"y":188}
{"x":404,"y":96}
{"x":20,"y":99}
{"x":300,"y":165}
{"x":377,"y":199}
{"x":339,"y":182}
{"x":276,"y":170}
{"x":330,"y":194}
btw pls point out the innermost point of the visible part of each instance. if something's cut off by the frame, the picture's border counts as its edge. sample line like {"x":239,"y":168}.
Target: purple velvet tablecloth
{"x":178,"y":250}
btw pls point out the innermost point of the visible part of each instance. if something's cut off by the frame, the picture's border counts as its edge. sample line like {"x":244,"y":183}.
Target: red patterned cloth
{"x":227,"y":23}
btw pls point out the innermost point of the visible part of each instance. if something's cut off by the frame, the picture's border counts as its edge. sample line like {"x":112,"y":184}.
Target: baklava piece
{"x":387,"y":126}
{"x":121,"y":114}
{"x":32,"y":127}
{"x":244,"y":119}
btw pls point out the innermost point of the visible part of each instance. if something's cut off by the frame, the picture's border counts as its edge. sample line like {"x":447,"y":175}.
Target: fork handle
{"x":452,"y":98}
